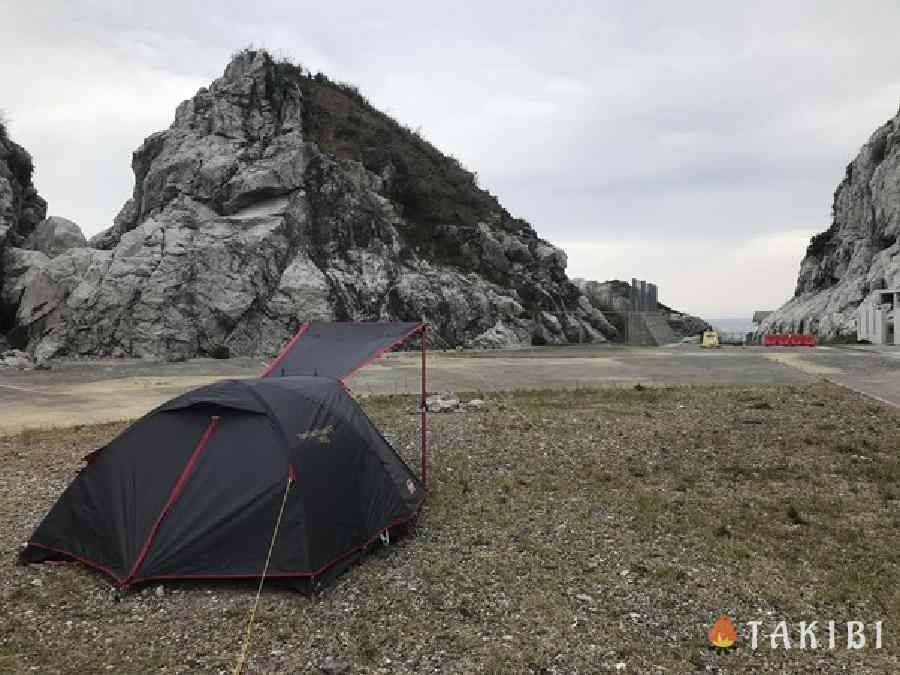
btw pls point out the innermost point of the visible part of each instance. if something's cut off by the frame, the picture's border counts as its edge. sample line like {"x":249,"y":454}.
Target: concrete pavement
{"x":106,"y":390}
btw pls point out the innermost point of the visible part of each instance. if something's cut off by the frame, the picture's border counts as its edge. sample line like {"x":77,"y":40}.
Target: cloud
{"x":693,"y":276}
{"x":676,"y":135}
{"x":520,"y":108}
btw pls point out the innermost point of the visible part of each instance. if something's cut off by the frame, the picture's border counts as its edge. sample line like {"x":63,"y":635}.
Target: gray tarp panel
{"x":326,"y":349}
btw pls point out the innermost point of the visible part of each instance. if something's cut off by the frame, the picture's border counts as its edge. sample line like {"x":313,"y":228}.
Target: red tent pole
{"x":424,"y":409}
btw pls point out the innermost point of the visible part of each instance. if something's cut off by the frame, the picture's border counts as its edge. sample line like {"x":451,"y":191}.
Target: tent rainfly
{"x":193,"y":489}
{"x":325,"y":349}
{"x":329,"y":349}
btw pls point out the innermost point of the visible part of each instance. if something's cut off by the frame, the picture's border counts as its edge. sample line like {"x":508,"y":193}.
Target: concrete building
{"x":878,"y":317}
{"x":645,"y":323}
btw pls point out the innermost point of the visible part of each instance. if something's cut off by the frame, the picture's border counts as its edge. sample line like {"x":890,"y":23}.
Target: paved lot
{"x":98,"y":391}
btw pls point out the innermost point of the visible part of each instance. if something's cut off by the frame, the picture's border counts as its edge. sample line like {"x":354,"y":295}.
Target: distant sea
{"x":732,"y":325}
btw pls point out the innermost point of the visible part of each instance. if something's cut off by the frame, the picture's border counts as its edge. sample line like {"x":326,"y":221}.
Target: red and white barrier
{"x":789,"y":340}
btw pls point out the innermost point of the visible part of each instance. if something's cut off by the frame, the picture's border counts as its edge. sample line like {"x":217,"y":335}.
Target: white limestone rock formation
{"x":276,"y":197}
{"x":859,"y":253}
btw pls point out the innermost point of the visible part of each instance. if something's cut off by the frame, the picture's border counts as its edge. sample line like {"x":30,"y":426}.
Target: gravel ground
{"x":565,"y":532}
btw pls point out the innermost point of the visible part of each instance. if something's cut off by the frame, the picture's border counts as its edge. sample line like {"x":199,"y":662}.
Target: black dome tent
{"x":193,"y":489}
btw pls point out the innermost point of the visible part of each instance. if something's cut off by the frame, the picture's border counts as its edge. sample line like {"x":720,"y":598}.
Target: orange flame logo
{"x":722,"y":632}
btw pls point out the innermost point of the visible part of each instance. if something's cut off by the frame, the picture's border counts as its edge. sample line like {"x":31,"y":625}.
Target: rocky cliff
{"x":859,"y":253}
{"x":276,"y":196}
{"x":21,"y":208}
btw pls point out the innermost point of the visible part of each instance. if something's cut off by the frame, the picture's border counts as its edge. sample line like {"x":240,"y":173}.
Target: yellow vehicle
{"x":710,"y":339}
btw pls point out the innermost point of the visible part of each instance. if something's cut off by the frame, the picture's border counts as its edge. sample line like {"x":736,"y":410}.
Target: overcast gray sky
{"x":694,"y":144}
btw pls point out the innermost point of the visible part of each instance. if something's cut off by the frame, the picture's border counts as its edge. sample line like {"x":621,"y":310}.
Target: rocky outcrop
{"x":859,"y":253}
{"x":613,"y":300}
{"x":30,"y":283}
{"x":275,"y":197}
{"x":21,"y":208}
{"x":684,"y":325}
{"x":14,"y":358}
{"x":55,"y":235}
